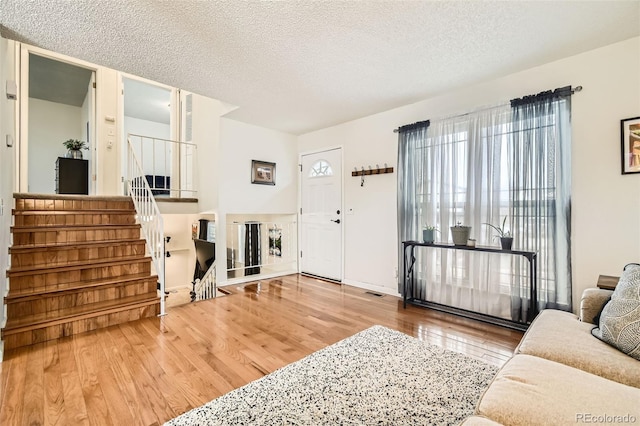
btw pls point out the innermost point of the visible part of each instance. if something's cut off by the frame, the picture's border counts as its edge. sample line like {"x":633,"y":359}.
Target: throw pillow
{"x":619,"y":324}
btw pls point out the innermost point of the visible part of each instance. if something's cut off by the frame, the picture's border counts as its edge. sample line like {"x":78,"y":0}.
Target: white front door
{"x":321,"y":215}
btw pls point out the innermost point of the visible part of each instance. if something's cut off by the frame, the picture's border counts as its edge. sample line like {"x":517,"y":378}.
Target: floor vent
{"x":373,"y":293}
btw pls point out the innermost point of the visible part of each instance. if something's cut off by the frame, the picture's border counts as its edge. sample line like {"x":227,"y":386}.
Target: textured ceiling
{"x":299,"y":66}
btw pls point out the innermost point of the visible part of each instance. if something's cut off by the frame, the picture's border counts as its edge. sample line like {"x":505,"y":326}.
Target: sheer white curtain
{"x":476,"y":169}
{"x":466,"y":181}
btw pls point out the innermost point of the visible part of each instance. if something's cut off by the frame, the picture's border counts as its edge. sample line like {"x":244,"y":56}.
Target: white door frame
{"x":318,"y":151}
{"x":174,"y":119}
{"x":22,"y":74}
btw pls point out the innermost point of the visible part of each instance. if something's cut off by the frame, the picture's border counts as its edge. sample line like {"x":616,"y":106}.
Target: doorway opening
{"x":60,"y":106}
{"x":148,"y":113}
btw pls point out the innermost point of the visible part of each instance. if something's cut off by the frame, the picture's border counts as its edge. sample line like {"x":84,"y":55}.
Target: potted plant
{"x":460,"y":234}
{"x":506,"y":239}
{"x":74,"y":146}
{"x":429,"y":234}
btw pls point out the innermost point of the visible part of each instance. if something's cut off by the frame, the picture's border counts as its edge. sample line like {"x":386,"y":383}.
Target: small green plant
{"x":430,"y":228}
{"x":75,"y":144}
{"x":502,"y":232}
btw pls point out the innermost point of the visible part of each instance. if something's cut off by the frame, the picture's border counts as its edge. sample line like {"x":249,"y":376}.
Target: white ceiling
{"x":298,"y":66}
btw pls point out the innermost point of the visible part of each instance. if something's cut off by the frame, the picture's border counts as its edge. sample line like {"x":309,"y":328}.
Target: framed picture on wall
{"x":630,"y":134}
{"x":263,"y":172}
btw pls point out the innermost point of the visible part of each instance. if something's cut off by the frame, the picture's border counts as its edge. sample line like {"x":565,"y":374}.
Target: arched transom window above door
{"x":321,"y":168}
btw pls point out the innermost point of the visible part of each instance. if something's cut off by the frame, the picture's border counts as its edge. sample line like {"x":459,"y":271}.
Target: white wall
{"x":239,"y":144}
{"x":606,"y":205}
{"x":209,"y":164}
{"x":7,"y":154}
{"x":108,"y":131}
{"x":50,"y":124}
{"x":158,"y":162}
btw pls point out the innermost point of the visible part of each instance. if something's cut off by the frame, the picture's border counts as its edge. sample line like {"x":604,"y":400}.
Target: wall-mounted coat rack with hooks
{"x":366,"y":172}
{"x":377,"y":171}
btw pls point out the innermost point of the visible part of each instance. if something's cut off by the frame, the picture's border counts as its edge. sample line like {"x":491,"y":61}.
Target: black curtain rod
{"x":562,"y":91}
{"x":412,"y":126}
{"x":559,"y":92}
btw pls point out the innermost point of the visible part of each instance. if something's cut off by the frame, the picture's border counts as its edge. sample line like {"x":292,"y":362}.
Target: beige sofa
{"x":561,"y":375}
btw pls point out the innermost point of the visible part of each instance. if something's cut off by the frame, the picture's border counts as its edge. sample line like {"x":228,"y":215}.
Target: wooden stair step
{"x":62,"y":228}
{"x":59,"y":316}
{"x":77,"y":286}
{"x":70,"y":202}
{"x":76,"y":212}
{"x":61,"y":235}
{"x":30,"y":256}
{"x":68,"y":246}
{"x":74,"y":266}
{"x":45,"y":219}
{"x":26,"y":335}
{"x":22,"y":281}
{"x":35,"y":304}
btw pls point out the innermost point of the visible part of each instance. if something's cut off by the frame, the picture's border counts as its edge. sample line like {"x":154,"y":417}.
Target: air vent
{"x":373,"y":293}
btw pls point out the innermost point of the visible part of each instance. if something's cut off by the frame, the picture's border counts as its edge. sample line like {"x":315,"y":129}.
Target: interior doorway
{"x":321,"y":226}
{"x":148,"y":110}
{"x":57,"y":104}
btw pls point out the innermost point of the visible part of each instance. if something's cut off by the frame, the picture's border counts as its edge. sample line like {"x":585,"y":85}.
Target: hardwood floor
{"x":149,"y":371}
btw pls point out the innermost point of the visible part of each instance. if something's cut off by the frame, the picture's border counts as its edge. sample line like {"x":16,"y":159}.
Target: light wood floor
{"x":149,"y":371}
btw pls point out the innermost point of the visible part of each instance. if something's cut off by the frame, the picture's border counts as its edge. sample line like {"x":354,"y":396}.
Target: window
{"x":511,"y":160}
{"x":320,"y":168}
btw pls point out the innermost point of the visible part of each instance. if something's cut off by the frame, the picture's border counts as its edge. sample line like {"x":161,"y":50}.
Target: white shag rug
{"x":378,"y":376}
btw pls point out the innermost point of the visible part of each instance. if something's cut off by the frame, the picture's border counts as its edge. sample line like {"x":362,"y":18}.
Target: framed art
{"x":630,"y":135}
{"x":263,"y":172}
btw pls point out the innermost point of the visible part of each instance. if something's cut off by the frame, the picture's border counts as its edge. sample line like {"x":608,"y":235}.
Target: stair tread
{"x":83,"y":211}
{"x":85,"y":264}
{"x":77,"y":286}
{"x":67,"y":313}
{"x":49,"y":228}
{"x":70,"y":246}
{"x":78,"y":197}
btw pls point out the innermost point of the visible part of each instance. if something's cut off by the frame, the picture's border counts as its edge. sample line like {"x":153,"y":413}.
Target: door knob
{"x":336,"y":221}
{"x":338,"y":212}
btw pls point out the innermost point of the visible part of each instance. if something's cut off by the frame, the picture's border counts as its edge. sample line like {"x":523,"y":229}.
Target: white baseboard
{"x":371,"y":287}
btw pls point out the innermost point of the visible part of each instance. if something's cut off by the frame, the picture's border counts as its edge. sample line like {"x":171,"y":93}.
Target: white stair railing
{"x":205,"y":288}
{"x":148,"y":215}
{"x":170,"y":167}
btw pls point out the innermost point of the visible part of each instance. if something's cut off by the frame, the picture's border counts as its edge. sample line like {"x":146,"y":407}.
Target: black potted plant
{"x":506,"y":239}
{"x":74,"y":146}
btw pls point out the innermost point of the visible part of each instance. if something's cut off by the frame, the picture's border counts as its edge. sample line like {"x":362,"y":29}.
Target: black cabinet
{"x":72,"y":176}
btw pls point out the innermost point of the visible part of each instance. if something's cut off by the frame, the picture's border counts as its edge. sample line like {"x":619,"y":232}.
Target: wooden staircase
{"x":77,"y":264}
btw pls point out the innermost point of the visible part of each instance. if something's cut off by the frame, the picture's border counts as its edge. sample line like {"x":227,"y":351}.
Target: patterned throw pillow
{"x":619,"y":324}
